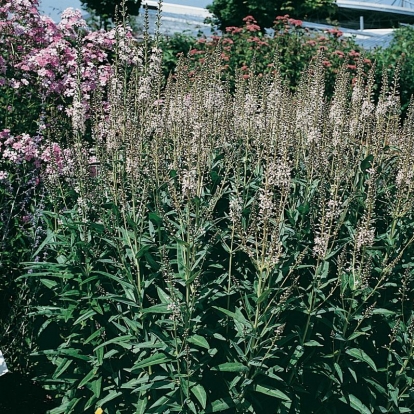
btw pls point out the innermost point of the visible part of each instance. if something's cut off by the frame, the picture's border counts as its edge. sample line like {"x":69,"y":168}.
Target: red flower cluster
{"x":335,"y":32}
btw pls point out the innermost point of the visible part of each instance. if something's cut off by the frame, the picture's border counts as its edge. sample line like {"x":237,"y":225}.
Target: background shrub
{"x":246,"y":47}
{"x":398,"y":55}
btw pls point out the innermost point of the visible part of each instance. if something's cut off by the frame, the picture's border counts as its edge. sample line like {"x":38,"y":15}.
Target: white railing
{"x":403,"y":7}
{"x":178,"y":9}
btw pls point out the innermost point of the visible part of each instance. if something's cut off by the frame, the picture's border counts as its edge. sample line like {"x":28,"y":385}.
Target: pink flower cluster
{"x":32,"y":150}
{"x":37,"y":51}
{"x":20,"y":148}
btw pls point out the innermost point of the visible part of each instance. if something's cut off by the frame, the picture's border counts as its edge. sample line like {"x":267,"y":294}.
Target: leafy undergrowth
{"x":217,"y":244}
{"x":231,"y":252}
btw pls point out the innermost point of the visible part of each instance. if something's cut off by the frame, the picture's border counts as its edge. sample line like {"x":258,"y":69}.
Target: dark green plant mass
{"x":106,"y":9}
{"x":246,"y":252}
{"x":238,"y":238}
{"x":231,"y":12}
{"x":399,"y":54}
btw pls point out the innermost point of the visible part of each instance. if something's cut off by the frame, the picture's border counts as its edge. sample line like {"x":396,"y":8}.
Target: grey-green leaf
{"x":155,"y":359}
{"x":201,"y":395}
{"x":362,"y":356}
{"x":230,"y":367}
{"x":272,"y":392}
{"x":357,"y":404}
{"x":199,"y":341}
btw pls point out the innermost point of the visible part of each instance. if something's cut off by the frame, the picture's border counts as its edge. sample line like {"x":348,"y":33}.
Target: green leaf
{"x":70,"y":352}
{"x":366,"y":163}
{"x":382,"y":311}
{"x":393,"y":392}
{"x":155,"y":359}
{"x":201,"y":395}
{"x":164,"y":298}
{"x":263,"y":296}
{"x":272,"y":392}
{"x":123,"y":340}
{"x":99,"y":355}
{"x":46,"y":241}
{"x":355,"y":335}
{"x":231,"y":367}
{"x":160,"y":308}
{"x":97,"y":387}
{"x":312,"y":343}
{"x":94,"y":335}
{"x":87,"y":378}
{"x":377,"y":386}
{"x":141,"y":406}
{"x":220,"y":405}
{"x":112,"y":395}
{"x":117,"y":279}
{"x":297,"y":354}
{"x":357,"y":404}
{"x":237,"y":317}
{"x":199,"y":341}
{"x":362,"y":356}
{"x":304,"y":208}
{"x":62,"y":367}
{"x":353,"y":374}
{"x":88,"y":314}
{"x":339,"y":371}
{"x":155,"y":219}
{"x":48,"y":283}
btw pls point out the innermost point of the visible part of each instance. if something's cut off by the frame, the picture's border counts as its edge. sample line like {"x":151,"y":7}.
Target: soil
{"x":19,"y":394}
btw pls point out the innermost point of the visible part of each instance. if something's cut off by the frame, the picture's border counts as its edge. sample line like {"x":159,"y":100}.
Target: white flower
{"x":175,"y":311}
{"x":235,"y":209}
{"x":265,"y":203}
{"x":364,"y":237}
{"x":321,"y":245}
{"x":278,"y":173}
{"x":189,"y":182}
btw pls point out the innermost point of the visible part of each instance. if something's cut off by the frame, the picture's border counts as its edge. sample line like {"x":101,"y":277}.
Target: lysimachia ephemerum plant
{"x":246,"y":251}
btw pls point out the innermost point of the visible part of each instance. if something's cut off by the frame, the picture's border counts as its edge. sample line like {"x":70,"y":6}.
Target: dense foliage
{"x":109,"y":10}
{"x":231,"y":12}
{"x":217,"y":242}
{"x":398,"y":55}
{"x":232,"y":253}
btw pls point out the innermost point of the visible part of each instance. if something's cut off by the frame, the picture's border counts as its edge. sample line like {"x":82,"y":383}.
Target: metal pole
{"x":361,"y":23}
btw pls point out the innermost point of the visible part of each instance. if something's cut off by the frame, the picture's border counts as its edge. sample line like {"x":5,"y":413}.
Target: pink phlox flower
{"x":70,"y":20}
{"x":5,"y":133}
{"x":249,"y":19}
{"x":252,"y":27}
{"x":15,"y":84}
{"x":52,"y":155}
{"x":18,"y":29}
{"x":17,"y":145}
{"x":9,"y":141}
{"x":8,"y":154}
{"x":335,"y":32}
{"x":105,"y":73}
{"x":294,"y":22}
{"x":234,"y":30}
